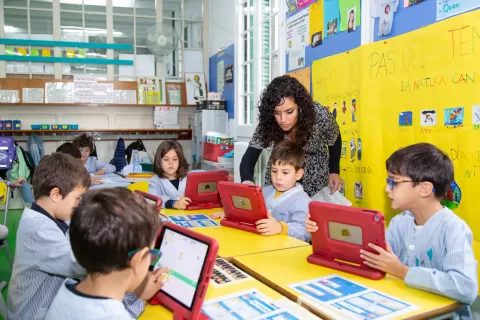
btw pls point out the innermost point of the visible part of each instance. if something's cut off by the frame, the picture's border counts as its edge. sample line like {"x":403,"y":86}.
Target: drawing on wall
{"x":354,"y":110}
{"x":316,"y":39}
{"x":332,"y":27}
{"x":386,"y":19}
{"x":359,"y":152}
{"x":453,"y":196}
{"x":352,"y":23}
{"x":344,"y":149}
{"x":358,"y":190}
{"x":476,"y":114}
{"x":428,"y":118}
{"x":196,"y":87}
{"x":353,"y":149}
{"x":405,"y":119}
{"x":453,"y":116}
{"x":151,"y":90}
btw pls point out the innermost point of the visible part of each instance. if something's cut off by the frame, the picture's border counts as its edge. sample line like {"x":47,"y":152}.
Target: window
{"x":270,"y":37}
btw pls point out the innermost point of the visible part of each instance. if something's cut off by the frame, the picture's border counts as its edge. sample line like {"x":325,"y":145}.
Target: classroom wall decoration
{"x":419,"y":87}
{"x":196,"y":87}
{"x":449,"y":8}
{"x":297,"y":37}
{"x":221,"y":65}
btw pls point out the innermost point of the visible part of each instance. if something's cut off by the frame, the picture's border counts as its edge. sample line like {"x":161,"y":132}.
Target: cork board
{"x":302,"y":75}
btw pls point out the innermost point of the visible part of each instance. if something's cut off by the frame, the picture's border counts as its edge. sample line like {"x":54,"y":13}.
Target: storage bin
{"x":40,"y":127}
{"x":8,"y":124}
{"x":17,"y":125}
{"x":59,"y":126}
{"x":212,"y":151}
{"x":73,"y":126}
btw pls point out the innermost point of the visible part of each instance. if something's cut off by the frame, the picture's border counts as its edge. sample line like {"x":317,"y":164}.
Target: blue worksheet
{"x":193,"y":221}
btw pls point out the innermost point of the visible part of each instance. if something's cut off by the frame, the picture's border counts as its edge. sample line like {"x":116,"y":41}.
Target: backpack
{"x":19,"y":167}
{"x":8,"y":154}
{"x":119,"y":156}
{"x":137,"y":145}
{"x":28,"y":160}
{"x":35,"y":148}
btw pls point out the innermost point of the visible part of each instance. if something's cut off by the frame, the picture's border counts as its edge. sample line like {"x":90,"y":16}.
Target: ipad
{"x":202,"y":189}
{"x":190,"y":258}
{"x":342,"y":233}
{"x":157,"y":201}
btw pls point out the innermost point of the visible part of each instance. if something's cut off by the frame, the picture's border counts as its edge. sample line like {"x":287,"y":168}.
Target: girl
{"x":85,"y":144}
{"x":170,"y":179}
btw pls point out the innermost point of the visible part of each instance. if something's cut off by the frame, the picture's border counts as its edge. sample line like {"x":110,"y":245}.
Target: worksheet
{"x":193,"y":221}
{"x":350,"y":298}
{"x":225,"y":273}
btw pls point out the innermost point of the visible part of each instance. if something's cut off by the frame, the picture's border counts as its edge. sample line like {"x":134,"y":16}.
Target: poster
{"x":350,"y":15}
{"x":331,"y":17}
{"x":32,"y":95}
{"x":293,"y":6}
{"x":450,"y":8}
{"x":297,"y":31}
{"x":193,"y":221}
{"x":151,"y":90}
{"x":350,"y":298}
{"x":296,"y":59}
{"x":196,"y":87}
{"x":316,"y":23}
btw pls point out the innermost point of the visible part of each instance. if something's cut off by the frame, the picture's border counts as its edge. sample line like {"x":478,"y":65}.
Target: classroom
{"x":239,"y":159}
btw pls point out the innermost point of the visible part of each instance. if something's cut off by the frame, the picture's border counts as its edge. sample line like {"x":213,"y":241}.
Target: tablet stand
{"x":361,"y":270}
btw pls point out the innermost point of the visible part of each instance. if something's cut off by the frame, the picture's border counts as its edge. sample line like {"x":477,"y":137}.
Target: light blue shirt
{"x":93,"y":165}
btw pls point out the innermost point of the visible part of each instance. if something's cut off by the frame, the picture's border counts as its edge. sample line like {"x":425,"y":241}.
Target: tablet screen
{"x":185,"y":258}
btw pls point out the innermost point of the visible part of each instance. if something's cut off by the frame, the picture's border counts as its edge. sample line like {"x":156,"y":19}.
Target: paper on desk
{"x":350,"y":299}
{"x":225,"y":273}
{"x":193,"y":221}
{"x":335,"y":198}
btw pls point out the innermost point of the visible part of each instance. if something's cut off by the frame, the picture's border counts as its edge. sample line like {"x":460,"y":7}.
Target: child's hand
{"x":151,"y":285}
{"x":217,"y":215}
{"x":96,"y":181}
{"x":310,"y":225}
{"x":385,"y":261}
{"x":182,"y":204}
{"x":269,"y":226}
{"x":101,"y":172}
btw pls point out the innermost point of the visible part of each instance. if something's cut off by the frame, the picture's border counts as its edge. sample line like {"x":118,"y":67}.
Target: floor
{"x":12,"y":224}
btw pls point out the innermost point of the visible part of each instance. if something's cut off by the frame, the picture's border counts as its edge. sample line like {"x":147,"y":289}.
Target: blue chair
{"x":27,"y":192}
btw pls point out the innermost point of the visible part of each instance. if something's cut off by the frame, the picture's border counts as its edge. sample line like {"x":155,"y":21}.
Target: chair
{"x":4,"y":199}
{"x":140,"y":186}
{"x":27,"y":192}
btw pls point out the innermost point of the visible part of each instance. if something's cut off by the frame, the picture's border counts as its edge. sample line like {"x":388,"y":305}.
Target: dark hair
{"x":71,"y":149}
{"x":162,"y":150}
{"x":423,"y":162}
{"x":288,"y":152}
{"x":84,"y":141}
{"x":107,"y":225}
{"x":61,"y":171}
{"x":274,"y":95}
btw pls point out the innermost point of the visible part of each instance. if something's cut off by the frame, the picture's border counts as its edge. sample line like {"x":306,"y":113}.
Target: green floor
{"x":12,"y":224}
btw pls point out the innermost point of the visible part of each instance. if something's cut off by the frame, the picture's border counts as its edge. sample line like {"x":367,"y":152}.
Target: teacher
{"x":287,"y":111}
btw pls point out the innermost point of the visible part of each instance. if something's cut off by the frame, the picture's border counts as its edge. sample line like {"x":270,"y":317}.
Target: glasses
{"x":392,"y":182}
{"x":156,"y":254}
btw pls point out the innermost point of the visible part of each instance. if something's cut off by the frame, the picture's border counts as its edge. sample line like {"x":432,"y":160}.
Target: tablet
{"x":157,"y":201}
{"x":243,"y":205}
{"x":202,"y":189}
{"x":342,"y":233}
{"x":190,"y":258}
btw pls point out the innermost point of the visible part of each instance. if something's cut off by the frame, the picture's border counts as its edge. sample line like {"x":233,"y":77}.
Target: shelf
{"x":89,"y":105}
{"x":102,"y":134}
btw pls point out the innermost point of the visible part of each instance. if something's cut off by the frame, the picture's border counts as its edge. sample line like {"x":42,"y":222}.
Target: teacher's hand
{"x":334,"y":182}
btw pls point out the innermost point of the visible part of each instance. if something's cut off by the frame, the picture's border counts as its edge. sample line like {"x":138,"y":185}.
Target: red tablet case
{"x":157,"y":200}
{"x":180,"y":312}
{"x":204,"y":200}
{"x":327,"y":251}
{"x":234,"y":197}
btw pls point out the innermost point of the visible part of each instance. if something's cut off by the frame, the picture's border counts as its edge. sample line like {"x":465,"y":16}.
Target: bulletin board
{"x":221,"y":77}
{"x":302,"y":75}
{"x":419,"y":87}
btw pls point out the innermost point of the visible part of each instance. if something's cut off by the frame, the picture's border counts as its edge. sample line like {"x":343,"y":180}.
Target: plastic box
{"x":8,"y":124}
{"x":212,"y":151}
{"x":40,"y":127}
{"x":59,"y":126}
{"x":73,"y":126}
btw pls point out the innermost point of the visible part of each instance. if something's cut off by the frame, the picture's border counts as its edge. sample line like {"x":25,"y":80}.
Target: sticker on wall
{"x":353,"y":110}
{"x":453,"y":117}
{"x":344,"y":111}
{"x":334,"y":111}
{"x":353,"y":149}
{"x":428,"y":118}
{"x":405,"y":119}
{"x":344,"y":149}
{"x":229,"y":73}
{"x":476,"y":114}
{"x":342,"y":188}
{"x":358,"y":190}
{"x":453,"y":197}
{"x":359,"y":152}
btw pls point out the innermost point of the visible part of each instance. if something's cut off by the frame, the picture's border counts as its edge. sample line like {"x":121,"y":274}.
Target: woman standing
{"x":287,"y":111}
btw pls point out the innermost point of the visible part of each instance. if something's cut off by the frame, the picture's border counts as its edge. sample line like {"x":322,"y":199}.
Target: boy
{"x":43,"y":257}
{"x":429,"y":247}
{"x":286,"y":202}
{"x":71,"y":149}
{"x":85,"y":144}
{"x":116,"y":262}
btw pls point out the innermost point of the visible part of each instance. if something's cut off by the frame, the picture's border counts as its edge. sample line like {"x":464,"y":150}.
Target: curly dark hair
{"x":274,"y":95}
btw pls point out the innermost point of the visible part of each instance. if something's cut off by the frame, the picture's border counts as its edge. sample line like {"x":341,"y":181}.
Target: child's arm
{"x":99,"y":165}
{"x":133,"y":304}
{"x":296,"y":223}
{"x":155,"y":188}
{"x":458,"y":279}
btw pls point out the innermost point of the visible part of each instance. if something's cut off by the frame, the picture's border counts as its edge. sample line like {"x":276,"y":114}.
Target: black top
{"x":61,"y":224}
{"x":176,"y":184}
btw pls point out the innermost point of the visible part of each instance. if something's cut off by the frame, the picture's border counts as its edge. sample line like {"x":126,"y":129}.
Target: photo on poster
{"x":359,"y":152}
{"x":353,"y":149}
{"x":352,"y":23}
{"x":428,"y":118}
{"x":476,"y":114}
{"x":354,"y":110}
{"x":316,"y":39}
{"x":386,"y":19}
{"x":405,"y":119}
{"x":453,"y":116}
{"x":332,"y":27}
{"x":344,"y":149}
{"x":358,"y":190}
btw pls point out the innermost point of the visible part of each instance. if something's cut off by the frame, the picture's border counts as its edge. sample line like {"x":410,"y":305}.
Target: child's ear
{"x":55,"y":195}
{"x":299,"y":174}
{"x":139,"y":258}
{"x":426,"y":189}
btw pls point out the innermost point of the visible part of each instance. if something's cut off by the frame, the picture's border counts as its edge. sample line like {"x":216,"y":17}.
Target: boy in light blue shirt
{"x":428,"y":246}
{"x":85,"y":144}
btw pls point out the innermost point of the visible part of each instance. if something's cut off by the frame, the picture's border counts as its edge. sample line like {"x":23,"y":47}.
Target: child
{"x":123,"y":269}
{"x":71,"y":149}
{"x":429,"y":247}
{"x":44,"y":258}
{"x":85,"y":144}
{"x":170,"y":179}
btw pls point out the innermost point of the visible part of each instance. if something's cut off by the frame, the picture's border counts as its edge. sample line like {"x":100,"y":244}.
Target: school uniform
{"x":93,"y":165}
{"x":71,"y":304}
{"x":439,"y":255}
{"x":168,"y":190}
{"x":290,"y":207}
{"x":43,"y":259}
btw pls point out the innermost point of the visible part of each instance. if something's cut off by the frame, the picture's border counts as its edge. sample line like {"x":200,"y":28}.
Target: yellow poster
{"x":423,"y":86}
{"x":316,"y":22}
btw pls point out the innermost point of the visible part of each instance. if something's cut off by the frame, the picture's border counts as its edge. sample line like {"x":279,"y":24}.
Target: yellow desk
{"x":277,"y":269}
{"x":233,"y":242}
{"x":159,"y":312}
